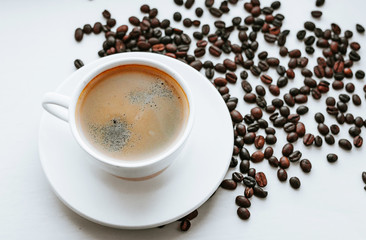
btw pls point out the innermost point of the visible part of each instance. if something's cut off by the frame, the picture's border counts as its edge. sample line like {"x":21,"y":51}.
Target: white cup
{"x":132,"y":170}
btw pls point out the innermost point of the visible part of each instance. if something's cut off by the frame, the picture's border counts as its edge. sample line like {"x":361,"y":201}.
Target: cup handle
{"x":52,"y":98}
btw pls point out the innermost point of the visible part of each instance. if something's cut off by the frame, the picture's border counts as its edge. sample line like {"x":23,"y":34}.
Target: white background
{"x":37,"y":51}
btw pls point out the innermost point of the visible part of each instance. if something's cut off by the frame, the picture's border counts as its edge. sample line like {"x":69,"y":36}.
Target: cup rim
{"x":120,"y":162}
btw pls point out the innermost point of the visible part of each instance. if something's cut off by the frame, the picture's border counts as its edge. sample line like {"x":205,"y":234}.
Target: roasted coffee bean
{"x":301,"y":34}
{"x":360,"y":74}
{"x":233,"y":162}
{"x":308,"y":139}
{"x":309,"y":26}
{"x":357,"y":141}
{"x":270,"y":130}
{"x":249,"y":181}
{"x":282,"y":81}
{"x":248,"y":192}
{"x":360,"y":28}
{"x":316,"y":14}
{"x":301,"y":110}
{"x":349,"y":118}
{"x":273,"y":62}
{"x":329,"y":139}
{"x":239,"y":141}
{"x":279,"y":121}
{"x":257,"y":156}
{"x":305,"y":165}
{"x":354,"y":131}
{"x":350,"y":88}
{"x":287,"y":149}
{"x":282,"y":175}
{"x":284,"y":111}
{"x":249,"y":138}
{"x":271,"y":139}
{"x":331,"y":110}
{"x":358,"y":122}
{"x":290,"y":101}
{"x":244,"y":166}
{"x":236,"y":116}
{"x":273,"y":161}
{"x":323,"y":129}
{"x":237,"y":176}
{"x":79,"y":34}
{"x":334,"y":129}
{"x":268,"y":152}
{"x":318,"y":141}
{"x":277,"y":102}
{"x":331,"y":157}
{"x":295,"y":182}
{"x":250,"y":97}
{"x":215,"y":12}
{"x":78,"y":63}
{"x":292,"y":137}
{"x":260,"y":90}
{"x":260,"y":192}
{"x":300,"y":129}
{"x":290,"y":73}
{"x":255,"y":70}
{"x":345,"y":144}
{"x":242,"y":201}
{"x":259,"y":142}
{"x":294,"y":118}
{"x":228,"y":184}
{"x":354,"y":56}
{"x":289,"y":127}
{"x":185,"y":225}
{"x":243,"y":213}
{"x":284,"y":162}
{"x":363,"y":175}
{"x":256,"y":113}
{"x":295,"y":156}
{"x":342,"y":107}
{"x":330,"y":101}
{"x":240,"y":128}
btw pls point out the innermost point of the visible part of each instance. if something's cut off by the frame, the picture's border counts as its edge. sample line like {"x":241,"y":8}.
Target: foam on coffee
{"x":132,"y":112}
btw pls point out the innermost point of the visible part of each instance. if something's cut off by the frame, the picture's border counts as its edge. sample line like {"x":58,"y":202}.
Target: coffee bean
{"x":274,"y":90}
{"x":244,"y":154}
{"x":287,"y":149}
{"x":290,"y":101}
{"x":79,"y":34}
{"x":215,"y":51}
{"x":248,"y":192}
{"x":243,"y":213}
{"x":316,"y":14}
{"x":259,"y":142}
{"x":260,"y":192}
{"x":301,"y":110}
{"x":261,"y":179}
{"x":237,"y":176}
{"x":260,"y":90}
{"x":242,"y":201}
{"x":354,"y":131}
{"x":360,"y":28}
{"x":249,"y":138}
{"x":305,"y":165}
{"x":308,"y":139}
{"x":78,"y":63}
{"x":331,"y":110}
{"x":295,"y":182}
{"x":350,"y":88}
{"x":236,"y":116}
{"x":358,"y":122}
{"x":271,"y":139}
{"x":360,"y":74}
{"x":250,"y":97}
{"x":257,"y":156}
{"x":323,"y":129}
{"x":273,"y":62}
{"x":244,"y":166}
{"x":249,"y":181}
{"x":358,"y":141}
{"x":331,"y":157}
{"x":345,"y":144}
{"x":215,"y":12}
{"x":185,"y":225}
{"x":228,"y":184}
{"x":295,"y":156}
{"x":309,"y":26}
{"x":282,"y":175}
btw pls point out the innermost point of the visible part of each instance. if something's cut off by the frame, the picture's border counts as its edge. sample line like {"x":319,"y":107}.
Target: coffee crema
{"x":132,"y":112}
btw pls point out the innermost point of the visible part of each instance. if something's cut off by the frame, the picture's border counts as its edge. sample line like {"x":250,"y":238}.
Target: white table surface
{"x":37,"y":51}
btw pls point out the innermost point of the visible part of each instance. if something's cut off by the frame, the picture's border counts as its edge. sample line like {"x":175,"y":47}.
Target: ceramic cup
{"x":64,"y":107}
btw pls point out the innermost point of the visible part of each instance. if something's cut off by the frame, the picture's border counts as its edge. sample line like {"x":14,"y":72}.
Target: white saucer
{"x":180,"y":189}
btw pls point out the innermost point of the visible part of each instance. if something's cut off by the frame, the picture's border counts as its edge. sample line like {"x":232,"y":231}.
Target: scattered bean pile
{"x":151,"y":34}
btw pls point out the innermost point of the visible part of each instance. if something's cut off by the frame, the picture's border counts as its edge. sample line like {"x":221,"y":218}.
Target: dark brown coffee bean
{"x":358,"y":141}
{"x":300,"y":129}
{"x":287,"y":149}
{"x":97,"y":28}
{"x":274,"y":90}
{"x":260,"y":192}
{"x":282,"y":175}
{"x":318,"y":141}
{"x":295,"y":182}
{"x":305,"y":165}
{"x":268,"y":152}
{"x":243,"y":213}
{"x":261,"y":179}
{"x":273,"y":62}
{"x":214,"y":51}
{"x":354,"y":131}
{"x":290,"y":73}
{"x":257,"y":156}
{"x":292,"y":137}
{"x":308,"y":139}
{"x":284,"y":162}
{"x":249,"y":138}
{"x":271,"y":139}
{"x":246,"y":86}
{"x":360,"y":28}
{"x":228,"y":184}
{"x":331,"y":110}
{"x":301,"y":110}
{"x":316,"y":14}
{"x":237,"y":176}
{"x":273,"y":161}
{"x":248,"y":192}
{"x":296,"y":53}
{"x":236,"y":116}
{"x":309,"y":26}
{"x":331,"y":157}
{"x":289,"y":100}
{"x":242,"y":201}
{"x":250,"y":98}
{"x":245,"y":164}
{"x":79,"y":34}
{"x":241,"y":129}
{"x":295,"y":156}
{"x":356,"y":99}
{"x":215,"y":12}
{"x":259,"y":142}
{"x":78,"y":63}
{"x":345,"y":144}
{"x":358,"y":122}
{"x":185,"y":225}
{"x":323,"y":129}
{"x":256,"y":113}
{"x":197,"y":64}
